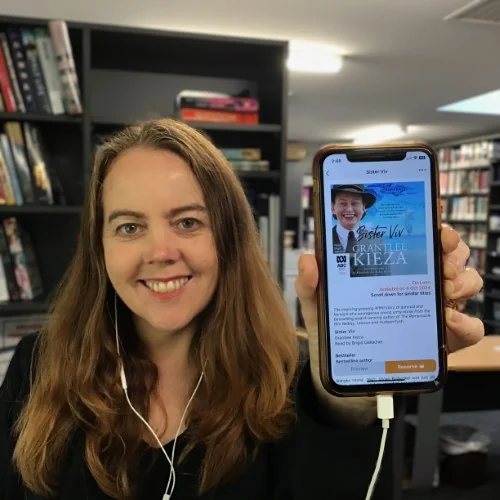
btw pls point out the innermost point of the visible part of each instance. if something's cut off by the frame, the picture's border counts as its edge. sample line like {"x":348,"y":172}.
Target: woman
{"x":168,"y":313}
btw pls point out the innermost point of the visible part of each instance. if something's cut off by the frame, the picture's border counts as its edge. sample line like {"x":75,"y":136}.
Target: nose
{"x":161,"y":246}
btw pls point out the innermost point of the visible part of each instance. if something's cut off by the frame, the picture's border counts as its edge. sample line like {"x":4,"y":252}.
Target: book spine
{"x":13,"y":131}
{"x":250,"y":166}
{"x":229,"y":117}
{"x":41,"y":181}
{"x":16,"y":91}
{"x":237,"y":104}
{"x":237,"y":154}
{"x":66,"y":64}
{"x":23,"y":256}
{"x":35,"y":72}
{"x":21,"y":67}
{"x":5,"y":86}
{"x":5,"y":180}
{"x":8,"y":265}
{"x":50,"y":71}
{"x":11,"y":169}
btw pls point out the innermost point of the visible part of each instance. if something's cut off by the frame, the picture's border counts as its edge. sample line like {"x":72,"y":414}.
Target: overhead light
{"x":313,"y":58}
{"x":380,"y":133}
{"x":482,"y":104}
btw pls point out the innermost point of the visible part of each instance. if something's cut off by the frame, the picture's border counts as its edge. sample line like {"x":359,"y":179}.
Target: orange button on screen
{"x":412,"y":366}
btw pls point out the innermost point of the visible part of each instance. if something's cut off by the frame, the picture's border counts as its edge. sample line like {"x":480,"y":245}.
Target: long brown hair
{"x":245,"y":334}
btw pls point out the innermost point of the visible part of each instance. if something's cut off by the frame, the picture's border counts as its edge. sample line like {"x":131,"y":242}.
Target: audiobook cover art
{"x":381,"y":227}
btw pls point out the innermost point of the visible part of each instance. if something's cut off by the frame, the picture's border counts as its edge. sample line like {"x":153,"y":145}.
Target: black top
{"x":315,"y":461}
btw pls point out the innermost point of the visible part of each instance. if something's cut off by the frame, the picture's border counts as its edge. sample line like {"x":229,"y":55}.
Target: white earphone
{"x":171,"y":477}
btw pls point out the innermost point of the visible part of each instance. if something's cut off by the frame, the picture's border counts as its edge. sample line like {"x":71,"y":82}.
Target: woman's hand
{"x":460,"y":283}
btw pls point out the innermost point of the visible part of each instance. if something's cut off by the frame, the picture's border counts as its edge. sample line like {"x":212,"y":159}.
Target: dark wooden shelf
{"x":39,"y":209}
{"x":264,"y":127}
{"x":34,"y":117}
{"x":492,"y":277}
{"x":225,"y":127}
{"x":23,"y":307}
{"x":492,"y":322}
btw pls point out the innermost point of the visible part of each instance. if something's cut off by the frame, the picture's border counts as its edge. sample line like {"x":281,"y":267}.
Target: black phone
{"x":380,"y":296}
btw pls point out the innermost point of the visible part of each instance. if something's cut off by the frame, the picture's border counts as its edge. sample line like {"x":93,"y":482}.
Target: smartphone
{"x":377,"y":219}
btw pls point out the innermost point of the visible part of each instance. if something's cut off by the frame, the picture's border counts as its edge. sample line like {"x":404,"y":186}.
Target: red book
{"x":216,"y":116}
{"x":5,"y":87}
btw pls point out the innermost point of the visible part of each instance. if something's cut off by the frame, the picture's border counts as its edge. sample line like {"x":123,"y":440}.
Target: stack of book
{"x":37,"y":71}
{"x":193,"y":106}
{"x":246,"y":159}
{"x":24,"y":175}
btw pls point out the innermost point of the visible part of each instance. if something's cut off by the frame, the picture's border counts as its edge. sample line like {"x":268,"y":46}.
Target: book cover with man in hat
{"x":381,"y":227}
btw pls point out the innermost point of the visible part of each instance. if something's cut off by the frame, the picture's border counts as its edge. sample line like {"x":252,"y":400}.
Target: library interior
{"x":269,"y":86}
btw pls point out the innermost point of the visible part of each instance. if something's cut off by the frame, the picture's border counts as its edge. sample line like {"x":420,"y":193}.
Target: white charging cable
{"x":385,"y":413}
{"x":171,"y":477}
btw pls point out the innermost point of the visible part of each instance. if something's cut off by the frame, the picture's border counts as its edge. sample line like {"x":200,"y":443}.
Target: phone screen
{"x":383,"y":299}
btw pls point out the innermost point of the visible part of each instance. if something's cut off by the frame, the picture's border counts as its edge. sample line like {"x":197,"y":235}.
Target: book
{"x":239,"y":154}
{"x":5,"y":85}
{"x":50,"y":70}
{"x":23,"y":256}
{"x":66,"y":64}
{"x":8,"y":267}
{"x":16,"y":91}
{"x":250,"y":166}
{"x":35,"y":71}
{"x":11,"y":170}
{"x":217,"y":116}
{"x":13,"y":131}
{"x":391,"y":240}
{"x":23,"y":70}
{"x":235,"y":104}
{"x":5,"y":185}
{"x":41,"y":181}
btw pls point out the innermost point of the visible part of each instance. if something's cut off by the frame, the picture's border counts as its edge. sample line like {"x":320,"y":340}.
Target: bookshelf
{"x":127,"y":74}
{"x":470,"y":188}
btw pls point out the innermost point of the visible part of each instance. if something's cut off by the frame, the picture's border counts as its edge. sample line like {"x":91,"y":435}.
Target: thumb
{"x":306,"y":285}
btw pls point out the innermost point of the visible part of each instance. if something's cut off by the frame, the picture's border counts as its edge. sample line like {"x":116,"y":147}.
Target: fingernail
{"x":452,"y":316}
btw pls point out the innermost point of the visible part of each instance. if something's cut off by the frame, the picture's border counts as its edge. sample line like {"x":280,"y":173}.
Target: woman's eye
{"x":188,"y":223}
{"x":127,"y":229}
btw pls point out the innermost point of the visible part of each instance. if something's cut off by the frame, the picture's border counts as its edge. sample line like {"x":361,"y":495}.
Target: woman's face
{"x":159,"y":248}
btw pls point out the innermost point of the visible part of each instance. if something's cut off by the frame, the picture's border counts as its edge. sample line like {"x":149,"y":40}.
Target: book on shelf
{"x":266,"y":209}
{"x":37,"y":70}
{"x":196,"y":106}
{"x":467,"y":208}
{"x":455,"y":182}
{"x":22,"y":70}
{"x":13,"y":83}
{"x":242,"y":154}
{"x":472,"y":155}
{"x":25,"y":176}
{"x":12,"y":330}
{"x":24,"y":260}
{"x":15,"y":135}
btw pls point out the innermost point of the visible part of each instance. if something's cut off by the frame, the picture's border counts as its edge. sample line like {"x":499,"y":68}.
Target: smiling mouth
{"x":166,"y":286}
{"x":349,"y":216}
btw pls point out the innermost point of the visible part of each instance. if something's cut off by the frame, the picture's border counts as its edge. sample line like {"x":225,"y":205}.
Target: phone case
{"x":319,"y":227}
